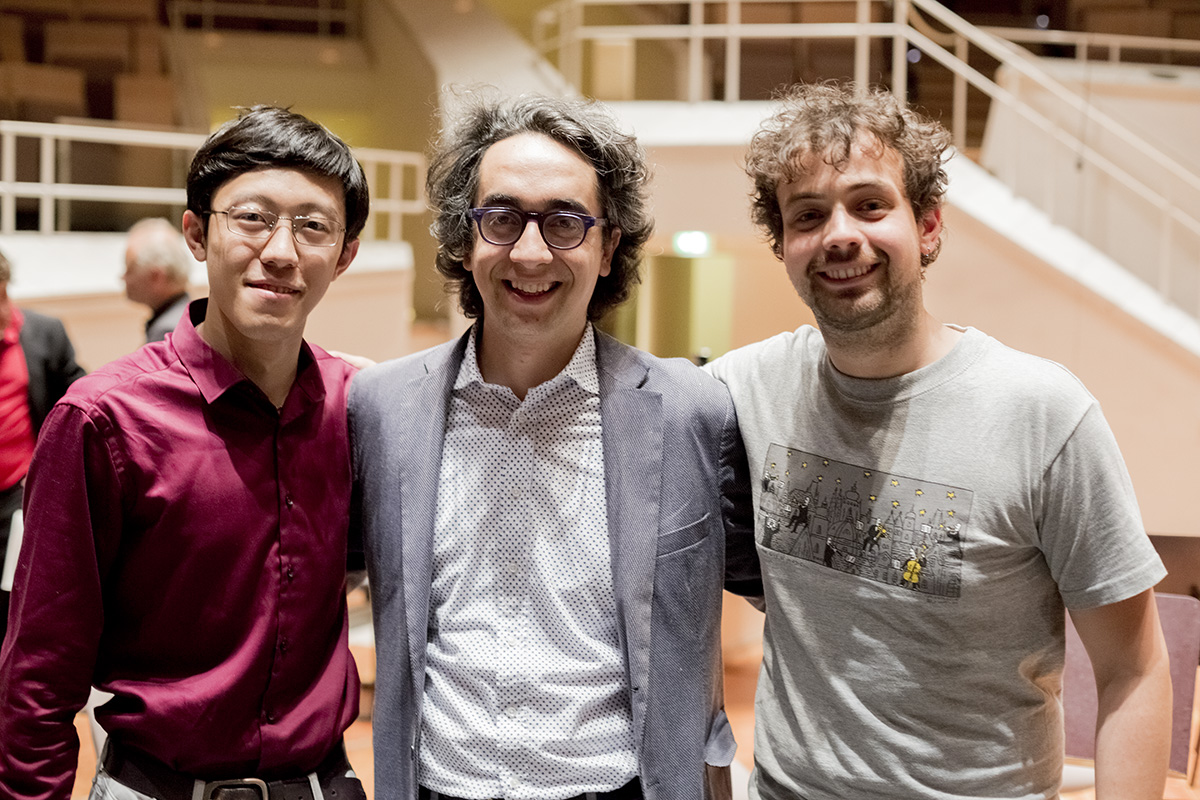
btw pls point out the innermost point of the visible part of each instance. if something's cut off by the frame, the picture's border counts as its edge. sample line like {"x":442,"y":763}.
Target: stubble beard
{"x":871,"y":318}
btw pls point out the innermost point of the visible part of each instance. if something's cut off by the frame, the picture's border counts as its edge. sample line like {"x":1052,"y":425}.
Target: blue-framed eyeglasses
{"x":561,"y":230}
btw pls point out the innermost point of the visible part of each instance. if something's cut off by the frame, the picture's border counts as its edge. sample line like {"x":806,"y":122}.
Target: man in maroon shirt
{"x":186,"y":514}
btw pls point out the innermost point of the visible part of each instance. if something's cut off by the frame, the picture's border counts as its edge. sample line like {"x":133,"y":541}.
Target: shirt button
{"x":512,"y":711}
{"x":287,"y":501}
{"x":291,"y":573}
{"x":283,"y":643}
{"x":271,"y":717}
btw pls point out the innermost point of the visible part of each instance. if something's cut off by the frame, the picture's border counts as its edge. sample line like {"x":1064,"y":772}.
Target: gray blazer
{"x":680,"y":527}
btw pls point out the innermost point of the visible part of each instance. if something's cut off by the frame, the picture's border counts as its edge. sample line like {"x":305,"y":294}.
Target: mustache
{"x":842,"y":257}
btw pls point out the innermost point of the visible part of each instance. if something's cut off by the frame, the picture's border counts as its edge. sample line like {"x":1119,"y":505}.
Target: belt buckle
{"x":211,"y":788}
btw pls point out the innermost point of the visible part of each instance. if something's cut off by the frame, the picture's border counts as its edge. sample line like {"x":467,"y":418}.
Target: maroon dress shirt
{"x":185,"y":549}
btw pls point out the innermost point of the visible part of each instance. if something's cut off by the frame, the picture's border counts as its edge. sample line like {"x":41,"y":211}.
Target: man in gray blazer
{"x":548,"y":515}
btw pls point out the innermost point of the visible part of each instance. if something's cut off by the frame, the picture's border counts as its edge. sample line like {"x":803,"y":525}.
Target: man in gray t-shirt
{"x":927,"y":501}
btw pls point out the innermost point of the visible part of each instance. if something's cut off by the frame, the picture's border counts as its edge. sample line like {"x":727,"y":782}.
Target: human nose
{"x":531,"y":247}
{"x":280,"y":246}
{"x":842,"y":233}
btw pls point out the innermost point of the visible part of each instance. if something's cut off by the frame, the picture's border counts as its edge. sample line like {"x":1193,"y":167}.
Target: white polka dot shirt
{"x":525,"y":688}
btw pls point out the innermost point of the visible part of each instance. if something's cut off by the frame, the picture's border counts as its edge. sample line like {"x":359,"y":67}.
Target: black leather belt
{"x":148,"y":775}
{"x":630,"y":791}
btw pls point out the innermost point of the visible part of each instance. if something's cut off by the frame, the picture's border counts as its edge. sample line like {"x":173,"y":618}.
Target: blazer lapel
{"x":421,"y":430}
{"x":632,"y":430}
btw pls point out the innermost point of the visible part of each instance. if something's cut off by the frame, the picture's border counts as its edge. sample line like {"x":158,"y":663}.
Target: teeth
{"x":275,"y":289}
{"x":848,"y":272}
{"x":531,"y":288}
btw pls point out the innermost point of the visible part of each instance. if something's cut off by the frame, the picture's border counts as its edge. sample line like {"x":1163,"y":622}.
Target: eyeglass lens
{"x":560,"y":229}
{"x":255,"y":223}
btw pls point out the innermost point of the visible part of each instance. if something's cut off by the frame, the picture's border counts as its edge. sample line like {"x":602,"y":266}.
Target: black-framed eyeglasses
{"x":254,"y":223}
{"x":561,"y":230}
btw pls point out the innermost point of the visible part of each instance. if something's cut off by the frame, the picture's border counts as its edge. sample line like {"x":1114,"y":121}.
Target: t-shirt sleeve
{"x":1089,"y":524}
{"x":72,"y":523}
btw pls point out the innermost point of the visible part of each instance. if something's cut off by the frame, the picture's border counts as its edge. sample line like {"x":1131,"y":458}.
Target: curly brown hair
{"x":826,"y":120}
{"x":582,"y":126}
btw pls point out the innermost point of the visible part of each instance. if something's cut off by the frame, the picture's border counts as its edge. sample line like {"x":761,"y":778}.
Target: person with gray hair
{"x":548,"y":515}
{"x":157,"y":265}
{"x":927,"y":501}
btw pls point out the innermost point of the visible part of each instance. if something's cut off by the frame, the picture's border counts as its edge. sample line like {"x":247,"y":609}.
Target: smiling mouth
{"x":531,"y":289}
{"x":274,"y":288}
{"x":846,"y":273}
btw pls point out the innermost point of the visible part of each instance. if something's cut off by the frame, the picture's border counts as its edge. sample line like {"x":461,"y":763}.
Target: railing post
{"x":62,"y":174}
{"x":862,"y":46}
{"x":1164,"y":252}
{"x":733,"y":51}
{"x":695,"y":84}
{"x":961,"y":52}
{"x":396,"y":189}
{"x":324,"y":17}
{"x":570,"y":21}
{"x":900,"y":50}
{"x":46,"y":178}
{"x":8,"y":173}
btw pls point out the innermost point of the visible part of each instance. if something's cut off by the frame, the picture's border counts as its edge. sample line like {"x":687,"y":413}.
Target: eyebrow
{"x":556,"y":204}
{"x":303,"y":209}
{"x":857,"y":187}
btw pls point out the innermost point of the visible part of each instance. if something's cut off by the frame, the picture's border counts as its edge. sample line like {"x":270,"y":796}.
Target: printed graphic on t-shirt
{"x":892,"y":529}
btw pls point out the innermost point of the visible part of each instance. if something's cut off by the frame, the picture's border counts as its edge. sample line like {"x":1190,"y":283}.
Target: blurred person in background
{"x":157,"y":264}
{"x":37,"y":364}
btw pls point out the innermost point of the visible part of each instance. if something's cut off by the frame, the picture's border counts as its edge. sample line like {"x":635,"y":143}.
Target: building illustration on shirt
{"x":893,"y":529}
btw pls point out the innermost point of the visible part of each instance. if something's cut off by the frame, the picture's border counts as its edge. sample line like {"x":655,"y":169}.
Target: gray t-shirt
{"x":919,"y":537}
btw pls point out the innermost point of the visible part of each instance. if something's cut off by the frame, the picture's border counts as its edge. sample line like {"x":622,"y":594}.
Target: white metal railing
{"x":325,"y":15}
{"x":1113,"y":47}
{"x":562,"y":32}
{"x":396,"y":178}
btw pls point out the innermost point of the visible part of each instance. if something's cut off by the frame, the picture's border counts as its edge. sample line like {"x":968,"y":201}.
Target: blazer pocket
{"x":684,"y":537}
{"x":720,"y":747}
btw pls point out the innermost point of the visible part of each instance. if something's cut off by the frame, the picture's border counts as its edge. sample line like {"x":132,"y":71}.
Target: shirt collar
{"x":581,"y":368}
{"x":214,"y":375}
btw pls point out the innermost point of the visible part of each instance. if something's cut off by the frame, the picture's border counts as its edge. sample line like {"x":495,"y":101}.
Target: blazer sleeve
{"x":743,"y":575}
{"x":50,"y":357}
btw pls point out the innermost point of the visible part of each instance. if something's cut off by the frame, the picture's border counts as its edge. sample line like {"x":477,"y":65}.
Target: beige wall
{"x":1146,"y":385}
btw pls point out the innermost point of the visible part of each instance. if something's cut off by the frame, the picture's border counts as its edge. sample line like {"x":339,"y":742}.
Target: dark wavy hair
{"x":825,"y":120}
{"x":584,"y":127}
{"x":263,"y":137}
